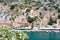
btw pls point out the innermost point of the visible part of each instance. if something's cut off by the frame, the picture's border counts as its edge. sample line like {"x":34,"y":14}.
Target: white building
{"x":58,"y":23}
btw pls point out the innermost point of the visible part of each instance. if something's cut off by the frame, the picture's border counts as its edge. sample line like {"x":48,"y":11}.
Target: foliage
{"x":13,"y":18}
{"x":38,"y":4}
{"x":6,"y":33}
{"x":45,"y":8}
{"x":22,"y":6}
{"x":56,"y":7}
{"x":40,"y":16}
{"x":51,"y":21}
{"x":12,"y":7}
{"x":45,"y":0}
{"x":17,"y":10}
{"x":28,"y":10}
{"x":58,"y":10}
{"x":5,"y":3}
{"x":30,"y":19}
{"x":59,"y":16}
{"x":21,"y":35}
{"x":50,"y":0}
{"x":28,"y":1}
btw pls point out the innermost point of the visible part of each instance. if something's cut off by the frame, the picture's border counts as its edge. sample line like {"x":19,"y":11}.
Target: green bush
{"x":51,"y":22}
{"x":12,"y":7}
{"x":56,"y":7}
{"x":13,"y":18}
{"x":6,"y":33}
{"x":58,"y":10}
{"x":28,"y":10}
{"x":30,"y":19}
{"x":17,"y":10}
{"x":38,"y":4}
{"x":22,"y":6}
{"x":50,"y":0}
{"x":59,"y":16}
{"x":45,"y":0}
{"x":45,"y":8}
{"x":28,"y":1}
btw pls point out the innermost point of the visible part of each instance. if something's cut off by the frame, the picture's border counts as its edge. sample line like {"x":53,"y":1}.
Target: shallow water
{"x":42,"y":35}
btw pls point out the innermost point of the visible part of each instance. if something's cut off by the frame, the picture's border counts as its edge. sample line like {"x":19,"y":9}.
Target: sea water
{"x":43,"y":35}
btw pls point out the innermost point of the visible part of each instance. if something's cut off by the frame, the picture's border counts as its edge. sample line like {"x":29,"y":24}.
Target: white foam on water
{"x":56,"y":31}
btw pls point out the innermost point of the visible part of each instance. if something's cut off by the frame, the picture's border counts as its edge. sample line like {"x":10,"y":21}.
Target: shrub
{"x":22,"y":6}
{"x":12,"y":7}
{"x":45,"y":8}
{"x":30,"y":19}
{"x":50,"y":0}
{"x":45,"y":0}
{"x":28,"y":1}
{"x":58,"y":10}
{"x":28,"y":10}
{"x":59,"y":16}
{"x":51,"y":22}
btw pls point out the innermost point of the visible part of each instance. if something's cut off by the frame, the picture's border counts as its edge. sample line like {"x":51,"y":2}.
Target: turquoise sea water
{"x":42,"y":35}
